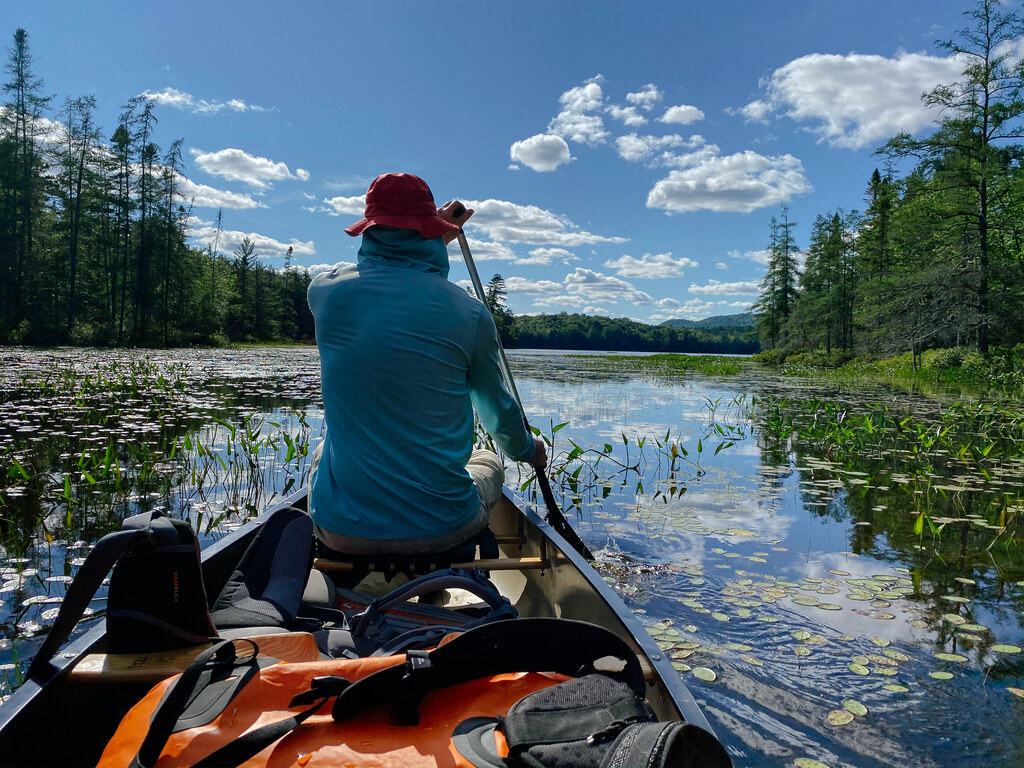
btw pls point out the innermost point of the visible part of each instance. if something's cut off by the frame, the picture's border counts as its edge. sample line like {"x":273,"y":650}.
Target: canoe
{"x":67,"y":718}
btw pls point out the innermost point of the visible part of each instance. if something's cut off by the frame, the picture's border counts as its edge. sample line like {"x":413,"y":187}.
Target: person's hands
{"x":540,"y":456}
{"x":455,"y":212}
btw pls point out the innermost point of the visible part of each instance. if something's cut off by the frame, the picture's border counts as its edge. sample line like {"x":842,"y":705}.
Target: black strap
{"x":217,"y":662}
{"x":251,"y":744}
{"x":524,"y":645}
{"x":82,"y":590}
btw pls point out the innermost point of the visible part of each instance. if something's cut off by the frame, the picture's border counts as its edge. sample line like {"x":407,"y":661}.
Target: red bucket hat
{"x":404,"y":201}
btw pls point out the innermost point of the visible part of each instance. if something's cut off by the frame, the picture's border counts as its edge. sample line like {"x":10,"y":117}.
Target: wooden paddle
{"x":555,"y":517}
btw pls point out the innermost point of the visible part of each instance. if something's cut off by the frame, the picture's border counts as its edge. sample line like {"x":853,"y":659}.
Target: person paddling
{"x":405,"y":358}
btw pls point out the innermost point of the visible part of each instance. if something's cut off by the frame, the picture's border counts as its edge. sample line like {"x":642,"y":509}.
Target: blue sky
{"x":624,"y":158}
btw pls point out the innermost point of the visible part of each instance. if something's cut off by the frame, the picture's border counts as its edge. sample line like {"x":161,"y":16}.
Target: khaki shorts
{"x":488,"y":475}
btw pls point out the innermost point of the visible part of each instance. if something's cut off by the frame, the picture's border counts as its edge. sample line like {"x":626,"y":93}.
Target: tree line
{"x":936,"y":259}
{"x":94,"y":232}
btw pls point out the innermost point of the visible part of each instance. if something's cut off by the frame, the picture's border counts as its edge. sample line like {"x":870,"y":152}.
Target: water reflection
{"x":808,"y":582}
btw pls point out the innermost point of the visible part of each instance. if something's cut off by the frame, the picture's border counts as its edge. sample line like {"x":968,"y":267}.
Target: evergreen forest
{"x":94,"y":235}
{"x":936,"y":259}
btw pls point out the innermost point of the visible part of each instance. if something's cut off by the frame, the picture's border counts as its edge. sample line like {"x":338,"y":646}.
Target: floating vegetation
{"x":705,"y":674}
{"x":839,"y":717}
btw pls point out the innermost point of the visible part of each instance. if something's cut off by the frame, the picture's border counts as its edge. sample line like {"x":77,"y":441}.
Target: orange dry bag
{"x":388,"y":711}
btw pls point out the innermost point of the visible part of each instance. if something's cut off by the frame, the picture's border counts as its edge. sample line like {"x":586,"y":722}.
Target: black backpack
{"x":156,"y":600}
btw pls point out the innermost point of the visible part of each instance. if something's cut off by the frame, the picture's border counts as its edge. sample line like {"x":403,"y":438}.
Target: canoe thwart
{"x":389,"y":565}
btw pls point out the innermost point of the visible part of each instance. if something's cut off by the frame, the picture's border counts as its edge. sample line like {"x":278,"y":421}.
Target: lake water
{"x":838,"y":627}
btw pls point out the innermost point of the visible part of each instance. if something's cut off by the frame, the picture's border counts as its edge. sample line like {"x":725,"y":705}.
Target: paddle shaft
{"x":555,"y":516}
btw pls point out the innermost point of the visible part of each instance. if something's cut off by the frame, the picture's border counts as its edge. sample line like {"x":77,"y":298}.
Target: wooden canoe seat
{"x":153,"y":667}
{"x":424,"y":565}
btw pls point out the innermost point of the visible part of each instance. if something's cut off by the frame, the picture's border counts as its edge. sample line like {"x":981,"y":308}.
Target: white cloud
{"x":207,"y":197}
{"x":651,"y":267}
{"x":716,"y":288}
{"x":543,"y":152}
{"x":742,"y":182}
{"x":228,"y":240}
{"x":856,"y":100}
{"x":666,"y":303}
{"x":628,"y":115}
{"x":512,"y":223}
{"x":481,"y":250}
{"x":758,"y":257}
{"x":595,"y":311}
{"x":237,"y":165}
{"x":636,"y":148}
{"x":345,"y":206}
{"x":538,"y":287}
{"x":646,"y":97}
{"x":722,"y":266}
{"x":577,"y":120}
{"x":682,"y":114}
{"x":547,"y":256}
{"x":172,"y":97}
{"x":560,"y":302}
{"x":599,"y":288}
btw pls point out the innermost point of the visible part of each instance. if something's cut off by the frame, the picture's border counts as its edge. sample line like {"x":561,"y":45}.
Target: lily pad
{"x":859,"y":669}
{"x":895,"y":688}
{"x":953,"y":618}
{"x":881,"y":642}
{"x":705,"y":674}
{"x":839,"y":717}
{"x":973,"y":628}
{"x":941,"y":675}
{"x":854,"y":706}
{"x":751,"y":660}
{"x":897,"y":655}
{"x":1017,"y":692}
{"x":802,"y":650}
{"x":951,"y":657}
{"x":801,"y":634}
{"x":806,"y":762}
{"x":1002,"y":648}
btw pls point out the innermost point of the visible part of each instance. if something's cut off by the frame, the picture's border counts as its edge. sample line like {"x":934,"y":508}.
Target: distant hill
{"x":585,"y":332}
{"x":741,"y":320}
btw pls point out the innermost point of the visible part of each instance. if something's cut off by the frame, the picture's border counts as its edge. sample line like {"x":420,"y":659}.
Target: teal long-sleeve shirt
{"x":405,"y":357}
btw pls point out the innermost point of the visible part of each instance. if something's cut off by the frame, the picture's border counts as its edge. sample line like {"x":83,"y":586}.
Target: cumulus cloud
{"x":560,"y":302}
{"x":742,"y":182}
{"x":482,"y":250}
{"x":759,"y":257}
{"x":651,"y":267}
{"x":666,"y":303}
{"x":203,"y":196}
{"x":237,"y":165}
{"x":856,"y":100}
{"x":228,"y":240}
{"x":579,"y":119}
{"x":512,"y":223}
{"x":645,"y":98}
{"x":535,"y":287}
{"x":543,"y":152}
{"x":597,"y":287}
{"x":345,"y":206}
{"x":636,"y":148}
{"x":716,"y":288}
{"x":547,"y":256}
{"x":722,"y":266}
{"x":682,"y":114}
{"x":172,"y":97}
{"x":627,"y":115}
